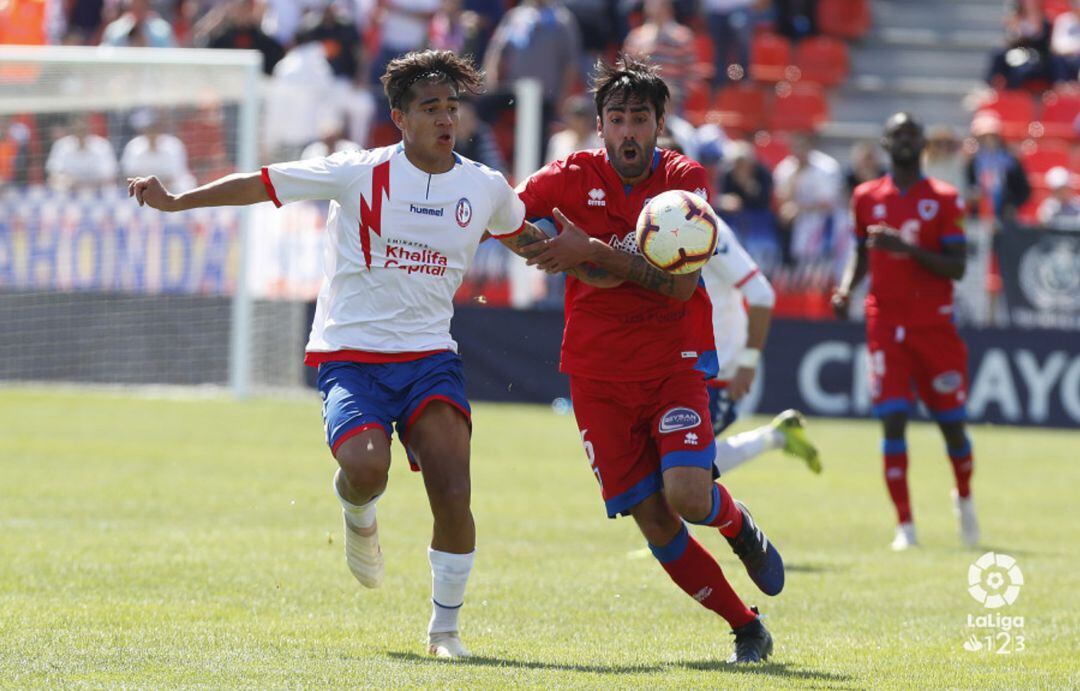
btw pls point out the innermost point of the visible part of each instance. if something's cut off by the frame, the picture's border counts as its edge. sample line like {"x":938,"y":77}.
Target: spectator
{"x":339,"y":36}
{"x":809,"y":189}
{"x":597,"y":21}
{"x":139,"y":26}
{"x":1065,"y":43}
{"x":14,"y":153}
{"x":281,"y":20}
{"x":1025,"y":59}
{"x":865,"y":164}
{"x":476,"y":141}
{"x":731,"y":26}
{"x":332,"y":141}
{"x":1061,"y":209}
{"x":84,"y":18}
{"x":403,"y":27}
{"x":669,"y":45}
{"x":997,"y":182}
{"x":796,"y":19}
{"x":745,"y":203}
{"x":579,"y":116}
{"x":236,"y":25}
{"x":538,"y":39}
{"x":456,"y":29}
{"x":300,"y":95}
{"x":81,"y":159}
{"x":943,"y":157}
{"x":153,"y":152}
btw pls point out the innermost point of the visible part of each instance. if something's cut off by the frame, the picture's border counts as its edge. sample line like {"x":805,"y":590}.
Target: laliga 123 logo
{"x":994,"y":580}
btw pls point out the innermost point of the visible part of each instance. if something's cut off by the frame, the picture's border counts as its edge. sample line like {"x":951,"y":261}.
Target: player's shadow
{"x":480,"y":661}
{"x":780,"y":670}
{"x":770,"y":669}
{"x":814,"y":568}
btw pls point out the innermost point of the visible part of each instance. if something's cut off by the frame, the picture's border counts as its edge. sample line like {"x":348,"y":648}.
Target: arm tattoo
{"x":648,"y":276}
{"x":529,"y":235}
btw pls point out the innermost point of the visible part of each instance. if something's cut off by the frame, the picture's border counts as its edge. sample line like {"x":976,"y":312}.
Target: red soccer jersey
{"x":626,"y":333}
{"x":930,"y":215}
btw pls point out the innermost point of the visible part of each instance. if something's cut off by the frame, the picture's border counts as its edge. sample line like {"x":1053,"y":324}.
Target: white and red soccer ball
{"x":677,"y":231}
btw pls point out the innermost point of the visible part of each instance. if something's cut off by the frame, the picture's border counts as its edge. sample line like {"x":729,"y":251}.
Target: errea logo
{"x":596,"y":197}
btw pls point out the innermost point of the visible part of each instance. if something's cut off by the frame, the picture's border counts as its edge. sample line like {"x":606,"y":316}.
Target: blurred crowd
{"x":748,"y":78}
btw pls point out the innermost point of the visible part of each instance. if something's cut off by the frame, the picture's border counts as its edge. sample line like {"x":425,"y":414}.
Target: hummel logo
{"x":690,"y":438}
{"x":702,"y":594}
{"x":596,"y":197}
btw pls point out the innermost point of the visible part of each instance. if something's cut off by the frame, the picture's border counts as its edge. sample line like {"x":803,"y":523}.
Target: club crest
{"x":463,"y":212}
{"x":928,"y":209}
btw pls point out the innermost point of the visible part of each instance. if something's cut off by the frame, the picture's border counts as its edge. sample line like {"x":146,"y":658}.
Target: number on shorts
{"x":590,"y":454}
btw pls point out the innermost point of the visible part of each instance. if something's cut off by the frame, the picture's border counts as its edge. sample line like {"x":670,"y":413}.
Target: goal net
{"x":95,"y":289}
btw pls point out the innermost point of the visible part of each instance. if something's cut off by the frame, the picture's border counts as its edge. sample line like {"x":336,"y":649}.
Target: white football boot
{"x":447,"y":645}
{"x":969,"y":523}
{"x":363,"y":554}
{"x":905,"y":537}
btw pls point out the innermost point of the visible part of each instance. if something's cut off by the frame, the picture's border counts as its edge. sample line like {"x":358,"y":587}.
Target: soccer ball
{"x":677,"y":232}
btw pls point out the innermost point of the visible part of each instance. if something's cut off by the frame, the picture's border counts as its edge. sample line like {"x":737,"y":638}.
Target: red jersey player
{"x":630,"y":351}
{"x":911,"y":241}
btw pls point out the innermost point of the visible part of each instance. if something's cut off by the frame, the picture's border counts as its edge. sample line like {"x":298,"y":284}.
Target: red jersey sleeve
{"x":540,"y":193}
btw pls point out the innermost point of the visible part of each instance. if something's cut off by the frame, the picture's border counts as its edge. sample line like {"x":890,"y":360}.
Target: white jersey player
{"x":403,"y":226}
{"x":730,"y":277}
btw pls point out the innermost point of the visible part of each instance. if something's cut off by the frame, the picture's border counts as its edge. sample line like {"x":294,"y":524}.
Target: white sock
{"x":362,"y":516}
{"x":737,"y":449}
{"x":449,"y":576}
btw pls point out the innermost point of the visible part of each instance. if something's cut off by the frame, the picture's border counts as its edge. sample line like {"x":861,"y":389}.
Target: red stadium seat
{"x":798,"y":107}
{"x":1052,"y":8}
{"x":1037,"y":158}
{"x":771,"y":148}
{"x":1016,"y":109}
{"x":844,"y":18}
{"x":696,"y":102}
{"x":741,"y":107}
{"x":1061,"y":108}
{"x":822,"y":60}
{"x":770,"y":56}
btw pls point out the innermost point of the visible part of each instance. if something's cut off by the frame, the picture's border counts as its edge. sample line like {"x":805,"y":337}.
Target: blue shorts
{"x":361,"y":396}
{"x":722,"y":409}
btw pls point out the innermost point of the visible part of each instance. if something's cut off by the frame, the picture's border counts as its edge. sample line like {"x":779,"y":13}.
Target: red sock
{"x":963,"y":465}
{"x":895,"y":452}
{"x":725,"y":515}
{"x":695,"y":571}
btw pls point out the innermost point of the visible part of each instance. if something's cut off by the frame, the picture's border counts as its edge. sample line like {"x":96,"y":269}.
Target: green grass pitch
{"x":152,"y":542}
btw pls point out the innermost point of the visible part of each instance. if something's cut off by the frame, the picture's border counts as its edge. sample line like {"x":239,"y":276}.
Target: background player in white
{"x":404,"y":224}
{"x":740,"y":334}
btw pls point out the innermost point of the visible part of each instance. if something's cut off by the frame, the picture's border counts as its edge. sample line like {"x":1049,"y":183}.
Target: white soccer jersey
{"x":728,"y":270}
{"x":397,"y":246}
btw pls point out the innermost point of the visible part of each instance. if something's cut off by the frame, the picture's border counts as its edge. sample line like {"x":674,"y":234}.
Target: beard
{"x":630,"y":159}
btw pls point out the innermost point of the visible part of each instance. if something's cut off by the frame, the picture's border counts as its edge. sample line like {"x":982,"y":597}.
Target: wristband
{"x":748,"y":358}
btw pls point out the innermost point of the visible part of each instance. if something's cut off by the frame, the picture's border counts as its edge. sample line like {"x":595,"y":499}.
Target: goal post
{"x":95,"y":289}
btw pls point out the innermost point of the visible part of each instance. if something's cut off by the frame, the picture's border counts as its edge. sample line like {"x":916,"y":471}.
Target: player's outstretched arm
{"x":532,"y":241}
{"x":573,"y":247}
{"x":239,"y":189}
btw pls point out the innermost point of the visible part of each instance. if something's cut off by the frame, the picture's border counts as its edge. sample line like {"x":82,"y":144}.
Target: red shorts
{"x":928,"y":360}
{"x":633,"y":431}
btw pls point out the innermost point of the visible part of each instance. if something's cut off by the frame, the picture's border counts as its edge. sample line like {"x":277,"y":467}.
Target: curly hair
{"x":629,"y":77}
{"x":433,"y":66}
